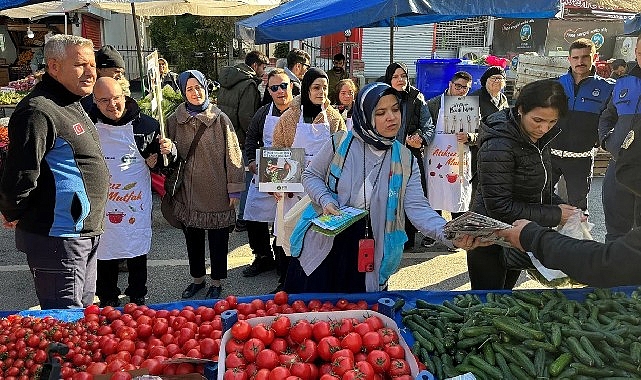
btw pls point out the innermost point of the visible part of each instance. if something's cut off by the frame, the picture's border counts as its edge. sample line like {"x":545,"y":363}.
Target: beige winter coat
{"x":212,"y":173}
{"x":285,"y":130}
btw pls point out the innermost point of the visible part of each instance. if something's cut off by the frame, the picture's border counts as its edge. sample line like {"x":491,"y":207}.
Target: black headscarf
{"x":182,"y":83}
{"x":363,"y":116}
{"x":310,"y":109}
{"x":389,"y":72}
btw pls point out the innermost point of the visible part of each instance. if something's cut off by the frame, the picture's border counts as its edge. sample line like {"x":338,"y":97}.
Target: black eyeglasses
{"x":275,"y":87}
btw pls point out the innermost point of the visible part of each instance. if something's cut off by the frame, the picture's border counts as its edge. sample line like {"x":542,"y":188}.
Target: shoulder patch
{"x":78,"y":128}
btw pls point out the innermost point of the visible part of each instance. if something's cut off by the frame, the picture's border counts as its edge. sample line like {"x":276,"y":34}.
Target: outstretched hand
{"x":468,"y":242}
{"x":513,"y":234}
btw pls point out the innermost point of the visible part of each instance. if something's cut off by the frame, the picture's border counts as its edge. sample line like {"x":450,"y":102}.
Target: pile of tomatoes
{"x":110,"y":340}
{"x":295,"y":349}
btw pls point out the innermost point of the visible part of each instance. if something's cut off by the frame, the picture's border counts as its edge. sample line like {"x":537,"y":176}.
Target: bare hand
{"x":8,"y":225}
{"x":331,"y":209}
{"x":252,"y":167}
{"x":415,"y":141}
{"x":233,"y":202}
{"x":513,"y":235}
{"x":468,"y":242}
{"x":566,"y":212}
{"x":165,"y":145}
{"x":152,"y":160}
{"x":277,"y":196}
{"x":461,"y":137}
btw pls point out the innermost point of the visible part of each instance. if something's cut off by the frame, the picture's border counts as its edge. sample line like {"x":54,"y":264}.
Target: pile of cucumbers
{"x":530,"y":335}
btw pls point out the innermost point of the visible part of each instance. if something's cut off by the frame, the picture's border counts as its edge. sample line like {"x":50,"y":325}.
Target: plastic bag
{"x":574,"y":228}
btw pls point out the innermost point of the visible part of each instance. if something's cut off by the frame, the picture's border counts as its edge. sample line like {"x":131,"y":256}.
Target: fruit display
{"x":24,"y":58}
{"x":11,"y":97}
{"x":25,"y":84}
{"x":529,"y":335}
{"x":327,"y":346}
{"x":110,"y":340}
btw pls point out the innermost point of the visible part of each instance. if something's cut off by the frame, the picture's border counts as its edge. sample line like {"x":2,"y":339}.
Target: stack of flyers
{"x":476,"y":225}
{"x":332,"y":225}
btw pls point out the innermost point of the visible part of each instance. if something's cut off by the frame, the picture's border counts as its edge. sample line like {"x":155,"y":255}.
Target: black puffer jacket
{"x":513,"y":179}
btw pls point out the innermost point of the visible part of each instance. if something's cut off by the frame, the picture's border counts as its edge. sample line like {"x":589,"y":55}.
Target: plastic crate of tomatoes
{"x":354,"y":344}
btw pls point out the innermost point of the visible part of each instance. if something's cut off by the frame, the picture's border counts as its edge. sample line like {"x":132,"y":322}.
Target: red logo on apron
{"x":78,"y":128}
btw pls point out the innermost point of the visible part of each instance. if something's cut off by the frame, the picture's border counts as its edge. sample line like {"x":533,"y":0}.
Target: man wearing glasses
{"x":263,"y":210}
{"x":297,"y":65}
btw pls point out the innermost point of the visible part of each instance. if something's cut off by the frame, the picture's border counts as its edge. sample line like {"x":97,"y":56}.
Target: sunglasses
{"x":282,"y":86}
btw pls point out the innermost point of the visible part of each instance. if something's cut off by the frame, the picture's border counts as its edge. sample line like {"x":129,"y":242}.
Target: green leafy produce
{"x":170,"y":101}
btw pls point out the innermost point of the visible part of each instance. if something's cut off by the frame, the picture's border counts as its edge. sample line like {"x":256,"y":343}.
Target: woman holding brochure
{"x":367,"y":169}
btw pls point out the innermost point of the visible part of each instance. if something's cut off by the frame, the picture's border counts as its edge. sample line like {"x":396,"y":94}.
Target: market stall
{"x":525,"y":334}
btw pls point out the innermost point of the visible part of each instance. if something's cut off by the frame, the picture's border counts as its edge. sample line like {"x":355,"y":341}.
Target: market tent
{"x":633,"y":26}
{"x":34,"y":8}
{"x":300,"y":19}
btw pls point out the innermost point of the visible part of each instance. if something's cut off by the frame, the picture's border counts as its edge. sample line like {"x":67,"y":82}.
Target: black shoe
{"x":241,"y":225}
{"x":122,"y":266}
{"x":137,"y":300}
{"x":114,"y":303}
{"x":428,"y":242}
{"x":214,"y":292}
{"x":193,"y":289}
{"x":258,"y":266}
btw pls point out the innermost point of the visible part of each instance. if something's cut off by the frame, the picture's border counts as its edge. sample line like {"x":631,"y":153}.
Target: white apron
{"x":262,"y":206}
{"x":128,"y":209}
{"x":311,"y":137}
{"x":349,"y":123}
{"x":447,"y":189}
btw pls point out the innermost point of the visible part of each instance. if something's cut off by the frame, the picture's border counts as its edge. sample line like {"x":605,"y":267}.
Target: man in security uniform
{"x":619,"y":118}
{"x":573,"y":148}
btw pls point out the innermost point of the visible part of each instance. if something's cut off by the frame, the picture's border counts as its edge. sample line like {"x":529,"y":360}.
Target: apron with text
{"x":448,"y":188}
{"x":311,"y":137}
{"x":129,"y":201}
{"x":262,"y":206}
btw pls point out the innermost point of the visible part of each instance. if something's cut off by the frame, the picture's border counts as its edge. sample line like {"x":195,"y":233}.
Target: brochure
{"x":476,"y":225}
{"x":332,"y":225}
{"x":280,"y":169}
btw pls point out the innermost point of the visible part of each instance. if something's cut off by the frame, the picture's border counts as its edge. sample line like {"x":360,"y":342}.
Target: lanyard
{"x":373,"y":186}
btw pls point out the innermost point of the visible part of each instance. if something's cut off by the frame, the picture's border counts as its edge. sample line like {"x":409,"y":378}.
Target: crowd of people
{"x":76,"y":183}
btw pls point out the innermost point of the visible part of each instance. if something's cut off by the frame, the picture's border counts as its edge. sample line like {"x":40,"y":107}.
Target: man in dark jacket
{"x":335,"y":75}
{"x":55,"y":181}
{"x":298,"y":62}
{"x":573,"y":149}
{"x":614,"y":263}
{"x":622,"y":114}
{"x":239,"y":98}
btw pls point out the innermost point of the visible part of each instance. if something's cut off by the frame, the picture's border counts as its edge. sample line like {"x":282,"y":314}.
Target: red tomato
{"x":343,"y":353}
{"x":307,"y":350}
{"x":281,"y":326}
{"x":258,"y":304}
{"x":327,"y":346}
{"x":189,"y":315}
{"x":245,"y":308}
{"x":362,"y":305}
{"x":144,"y":331}
{"x":372,"y":341}
{"x":232,"y":301}
{"x":97,"y":368}
{"x":395,"y":350}
{"x":267,"y":359}
{"x":380,"y":360}
{"x":91,"y":309}
{"x":329,"y":376}
{"x":374,"y":322}
{"x":207,"y":314}
{"x":126,"y":345}
{"x":314,"y":305}
{"x":241,"y":330}
{"x":352,"y":341}
{"x":344,"y":327}
{"x":321,"y":329}
{"x":341,"y":304}
{"x":235,"y":374}
{"x":208,"y":347}
{"x":301,"y":370}
{"x":121,"y":376}
{"x":299,"y":306}
{"x":262,"y":332}
{"x":279,"y":373}
{"x":362,"y":328}
{"x":160,"y":327}
{"x":399,"y":367}
{"x":366,"y":369}
{"x":279,"y":345}
{"x":172,"y":349}
{"x":251,"y":348}
{"x":342,"y":364}
{"x":388,"y":335}
{"x":262,"y":374}
{"x":234,"y":345}
{"x":281,"y":298}
{"x":235,"y":360}
{"x":300,"y":331}
{"x":154,"y":366}
{"x":288,"y":359}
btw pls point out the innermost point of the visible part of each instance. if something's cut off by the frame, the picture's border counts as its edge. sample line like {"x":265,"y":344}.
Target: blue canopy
{"x":633,"y":25}
{"x":298,"y":19}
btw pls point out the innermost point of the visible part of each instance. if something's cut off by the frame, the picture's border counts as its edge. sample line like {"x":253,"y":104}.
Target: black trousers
{"x":258,"y":236}
{"x":577,"y":172}
{"x":338,"y":273}
{"x":107,"y":280}
{"x":218,"y":248}
{"x":282,"y":262}
{"x":619,"y":206}
{"x":487,"y":271}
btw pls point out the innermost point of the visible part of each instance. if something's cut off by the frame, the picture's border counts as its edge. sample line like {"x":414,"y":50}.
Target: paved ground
{"x":169,"y":272}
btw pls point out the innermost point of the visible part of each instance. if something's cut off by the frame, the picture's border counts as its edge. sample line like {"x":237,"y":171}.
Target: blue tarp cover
{"x":298,"y":19}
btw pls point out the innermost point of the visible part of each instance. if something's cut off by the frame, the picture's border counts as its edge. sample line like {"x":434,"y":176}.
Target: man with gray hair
{"x":55,"y":181}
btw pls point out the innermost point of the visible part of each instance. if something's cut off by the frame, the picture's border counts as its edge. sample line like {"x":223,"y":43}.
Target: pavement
{"x":168,"y":269}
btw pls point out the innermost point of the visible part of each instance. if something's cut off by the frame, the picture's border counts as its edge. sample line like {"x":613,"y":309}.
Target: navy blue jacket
{"x":586,"y":102}
{"x":623,"y":111}
{"x":55,"y":179}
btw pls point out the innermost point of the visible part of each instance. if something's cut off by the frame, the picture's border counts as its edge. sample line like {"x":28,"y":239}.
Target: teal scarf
{"x":395,"y":237}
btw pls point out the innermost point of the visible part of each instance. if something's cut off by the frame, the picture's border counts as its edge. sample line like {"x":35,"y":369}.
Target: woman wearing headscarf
{"x":213,"y":179}
{"x":308,"y":123}
{"x":369,"y":169}
{"x":416,"y":130}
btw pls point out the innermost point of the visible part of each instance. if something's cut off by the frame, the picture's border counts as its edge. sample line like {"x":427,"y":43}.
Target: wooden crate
{"x":600,"y":163}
